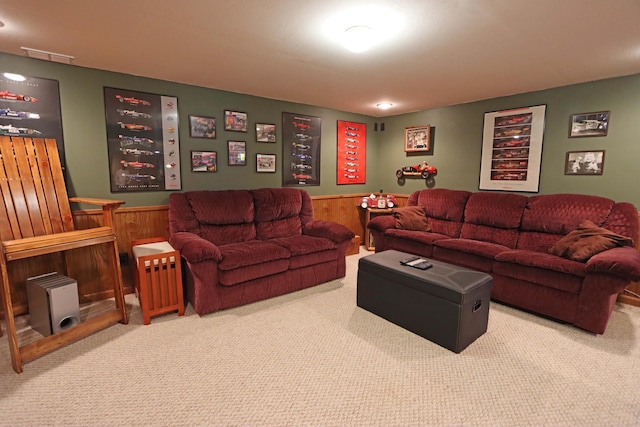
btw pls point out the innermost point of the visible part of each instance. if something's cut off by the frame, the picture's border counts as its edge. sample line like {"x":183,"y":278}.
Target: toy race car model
{"x":371,"y":201}
{"x":424,"y":171}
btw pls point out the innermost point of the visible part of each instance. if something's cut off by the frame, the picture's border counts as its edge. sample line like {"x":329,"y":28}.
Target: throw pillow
{"x":586,"y":241}
{"x":411,"y":218}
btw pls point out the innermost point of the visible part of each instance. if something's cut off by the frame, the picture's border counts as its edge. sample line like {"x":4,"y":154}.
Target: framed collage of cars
{"x":352,"y":153}
{"x":30,"y":107}
{"x":143,"y":141}
{"x":512,"y":149}
{"x":300,"y":150}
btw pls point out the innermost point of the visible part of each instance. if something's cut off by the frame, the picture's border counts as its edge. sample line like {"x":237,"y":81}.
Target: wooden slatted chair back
{"x":35,"y":200}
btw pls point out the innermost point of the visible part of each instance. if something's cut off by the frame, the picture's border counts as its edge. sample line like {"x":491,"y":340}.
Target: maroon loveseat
{"x":241,"y":246}
{"x":509,"y":236}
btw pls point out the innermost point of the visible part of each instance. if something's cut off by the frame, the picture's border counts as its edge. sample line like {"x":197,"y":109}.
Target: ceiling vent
{"x":47,"y":56}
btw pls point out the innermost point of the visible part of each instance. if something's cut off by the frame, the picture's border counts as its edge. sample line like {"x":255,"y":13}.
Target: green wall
{"x":456,"y":136}
{"x":457,"y":140}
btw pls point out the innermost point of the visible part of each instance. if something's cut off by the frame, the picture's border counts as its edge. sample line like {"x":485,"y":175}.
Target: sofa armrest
{"x":624,"y":262}
{"x":382,"y":223}
{"x":194,"y":248}
{"x":333,"y":231}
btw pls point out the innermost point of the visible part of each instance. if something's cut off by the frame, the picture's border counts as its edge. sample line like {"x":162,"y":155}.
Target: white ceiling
{"x":446,"y":52}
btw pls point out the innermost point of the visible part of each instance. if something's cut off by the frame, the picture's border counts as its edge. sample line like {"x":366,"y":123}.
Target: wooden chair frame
{"x":36,"y":219}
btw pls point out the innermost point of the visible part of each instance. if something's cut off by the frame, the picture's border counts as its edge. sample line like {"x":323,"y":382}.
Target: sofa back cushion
{"x":281,"y":212}
{"x":443,"y":207}
{"x":624,"y":220}
{"x":493,"y":217}
{"x":547,"y":218}
{"x":224,"y":216}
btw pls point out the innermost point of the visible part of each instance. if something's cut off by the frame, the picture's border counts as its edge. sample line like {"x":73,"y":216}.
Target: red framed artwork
{"x":352,"y":153}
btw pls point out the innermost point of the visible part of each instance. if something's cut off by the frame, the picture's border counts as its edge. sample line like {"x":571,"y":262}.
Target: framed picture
{"x":265,"y":132}
{"x":235,"y":121}
{"x":352,"y":153}
{"x":265,"y":162}
{"x":512,"y":149}
{"x":143,"y":141}
{"x":237,"y":153}
{"x":584,"y":163}
{"x":204,"y":161}
{"x":202,"y":127}
{"x":301,"y":137}
{"x":589,"y":124}
{"x":417,"y":138}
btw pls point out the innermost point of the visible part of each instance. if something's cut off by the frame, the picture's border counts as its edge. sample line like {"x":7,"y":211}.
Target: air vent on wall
{"x":48,"y":56}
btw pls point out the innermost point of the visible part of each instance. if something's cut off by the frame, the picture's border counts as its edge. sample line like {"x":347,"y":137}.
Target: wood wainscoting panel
{"x":137,"y":223}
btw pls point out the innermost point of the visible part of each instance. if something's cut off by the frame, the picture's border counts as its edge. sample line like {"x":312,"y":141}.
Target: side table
{"x":158,"y":277}
{"x":372,"y":213}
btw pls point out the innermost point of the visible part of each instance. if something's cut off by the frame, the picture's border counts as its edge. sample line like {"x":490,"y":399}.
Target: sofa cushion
{"x":423,"y":237}
{"x":411,"y":218}
{"x":586,"y":241}
{"x":476,"y":247}
{"x":562,"y":213}
{"x":225,"y":216}
{"x":443,"y":207}
{"x":277,"y":212}
{"x":542,"y":269}
{"x":304,"y":245}
{"x":237,"y":255}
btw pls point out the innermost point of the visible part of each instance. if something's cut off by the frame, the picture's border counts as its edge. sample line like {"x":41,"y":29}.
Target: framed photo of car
{"x":512,"y":149}
{"x":584,"y":163}
{"x":237,"y":153}
{"x":589,"y":124}
{"x":265,"y":132}
{"x":417,"y":138}
{"x":202,"y":127}
{"x":204,"y":161}
{"x":265,"y":162}
{"x":235,"y":121}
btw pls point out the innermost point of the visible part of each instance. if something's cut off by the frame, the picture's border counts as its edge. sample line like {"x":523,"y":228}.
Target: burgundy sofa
{"x":241,"y":246}
{"x":509,"y":237}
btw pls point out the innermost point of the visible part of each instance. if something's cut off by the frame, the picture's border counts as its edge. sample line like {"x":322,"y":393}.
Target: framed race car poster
{"x":143,"y":141}
{"x":512,"y":149}
{"x":352,"y":153}
{"x":300,"y":150}
{"x":30,"y":106}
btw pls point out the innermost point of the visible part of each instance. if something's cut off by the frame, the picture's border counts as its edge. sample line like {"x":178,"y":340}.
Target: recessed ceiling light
{"x":384,"y":105}
{"x":15,"y":77}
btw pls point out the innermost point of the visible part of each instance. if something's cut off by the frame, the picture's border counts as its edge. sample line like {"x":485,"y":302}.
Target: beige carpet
{"x":313,"y":358}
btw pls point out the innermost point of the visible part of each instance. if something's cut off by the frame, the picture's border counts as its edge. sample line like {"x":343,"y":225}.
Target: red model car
{"x":302,"y":176}
{"x":133,"y":126}
{"x":5,"y":94}
{"x":424,"y":170}
{"x":133,"y":101}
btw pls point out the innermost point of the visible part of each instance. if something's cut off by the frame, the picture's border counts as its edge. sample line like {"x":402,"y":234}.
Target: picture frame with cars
{"x":589,"y":124}
{"x":265,"y":132}
{"x":202,"y":127}
{"x":204,"y":161}
{"x":237,"y":151}
{"x":417,"y":138}
{"x":266,"y":163}
{"x":235,"y":121}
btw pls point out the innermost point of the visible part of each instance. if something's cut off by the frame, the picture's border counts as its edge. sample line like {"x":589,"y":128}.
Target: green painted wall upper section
{"x":457,"y":140}
{"x":456,"y":136}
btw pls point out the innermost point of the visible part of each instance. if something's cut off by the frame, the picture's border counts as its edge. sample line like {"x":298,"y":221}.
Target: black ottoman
{"x":446,"y":304}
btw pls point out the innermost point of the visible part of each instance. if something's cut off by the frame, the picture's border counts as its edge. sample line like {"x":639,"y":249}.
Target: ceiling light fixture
{"x":384,"y":105}
{"x":358,"y":38}
{"x":360,"y":28}
{"x":15,"y":77}
{"x":48,"y":56}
